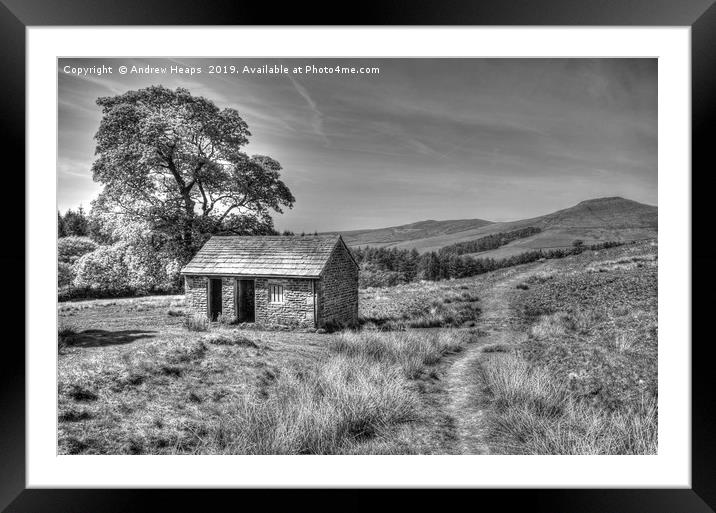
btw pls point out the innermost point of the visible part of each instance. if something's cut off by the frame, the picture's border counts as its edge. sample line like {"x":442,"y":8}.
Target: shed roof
{"x":290,"y":256}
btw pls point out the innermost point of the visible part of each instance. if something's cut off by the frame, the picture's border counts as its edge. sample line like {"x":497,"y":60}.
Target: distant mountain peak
{"x":606,"y":199}
{"x":593,"y":220}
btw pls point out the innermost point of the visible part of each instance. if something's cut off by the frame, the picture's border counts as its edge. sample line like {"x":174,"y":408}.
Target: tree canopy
{"x":174,"y":162}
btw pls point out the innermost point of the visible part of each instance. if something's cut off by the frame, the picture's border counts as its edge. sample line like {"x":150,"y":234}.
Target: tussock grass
{"x":66,"y":334}
{"x":411,"y":351}
{"x":352,"y":401}
{"x":557,"y":324}
{"x":196,"y":322}
{"x":536,"y":414}
{"x":226,"y":319}
{"x":329,"y":408}
{"x":231,"y":338}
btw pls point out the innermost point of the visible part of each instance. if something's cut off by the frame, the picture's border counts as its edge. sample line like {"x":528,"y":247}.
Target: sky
{"x":495,"y":139}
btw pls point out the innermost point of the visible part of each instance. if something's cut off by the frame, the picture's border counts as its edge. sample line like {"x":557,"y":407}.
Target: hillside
{"x":592,"y":221}
{"x":408,"y":233}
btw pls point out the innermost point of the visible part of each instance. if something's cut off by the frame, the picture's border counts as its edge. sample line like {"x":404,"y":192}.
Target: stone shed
{"x":307,"y":281}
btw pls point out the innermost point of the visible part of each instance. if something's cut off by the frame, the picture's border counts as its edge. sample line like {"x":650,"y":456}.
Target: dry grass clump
{"x":231,"y":338}
{"x":557,"y":324}
{"x":440,"y":314}
{"x":226,"y":318}
{"x":536,"y":414}
{"x":410,"y":351}
{"x":66,"y":334}
{"x":329,"y":408}
{"x":196,"y":322}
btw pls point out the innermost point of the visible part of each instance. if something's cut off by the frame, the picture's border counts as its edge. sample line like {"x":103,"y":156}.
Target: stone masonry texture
{"x":297,"y":306}
{"x":195,"y":290}
{"x":338,"y":289}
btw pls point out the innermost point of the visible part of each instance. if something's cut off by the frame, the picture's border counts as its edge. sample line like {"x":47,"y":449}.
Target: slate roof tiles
{"x":289,"y":256}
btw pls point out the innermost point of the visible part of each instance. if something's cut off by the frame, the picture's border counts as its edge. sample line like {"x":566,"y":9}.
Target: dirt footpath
{"x":463,"y":389}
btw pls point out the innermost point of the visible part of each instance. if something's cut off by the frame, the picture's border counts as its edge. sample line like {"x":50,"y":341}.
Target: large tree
{"x":174,"y":161}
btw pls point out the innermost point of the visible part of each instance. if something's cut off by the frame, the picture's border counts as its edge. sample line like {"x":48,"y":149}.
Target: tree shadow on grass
{"x":101,"y":338}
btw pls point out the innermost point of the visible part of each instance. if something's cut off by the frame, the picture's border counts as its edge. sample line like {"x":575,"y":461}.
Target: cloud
{"x":317,"y":121}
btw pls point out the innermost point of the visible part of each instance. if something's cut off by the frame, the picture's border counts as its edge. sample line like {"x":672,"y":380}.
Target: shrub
{"x":65,"y":274}
{"x":196,"y":322}
{"x":103,"y":269}
{"x":126,"y":268}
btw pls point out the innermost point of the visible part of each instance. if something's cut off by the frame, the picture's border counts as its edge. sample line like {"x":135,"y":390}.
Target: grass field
{"x":133,"y":380}
{"x":574,"y":369}
{"x":585,"y":379}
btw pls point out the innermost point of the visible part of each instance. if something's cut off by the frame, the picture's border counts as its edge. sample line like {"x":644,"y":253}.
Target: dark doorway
{"x":245,"y":301}
{"x":214,"y":298}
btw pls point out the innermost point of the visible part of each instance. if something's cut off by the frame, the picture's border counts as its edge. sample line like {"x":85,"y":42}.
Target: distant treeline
{"x":489,"y":242}
{"x":73,"y":223}
{"x":385,"y":267}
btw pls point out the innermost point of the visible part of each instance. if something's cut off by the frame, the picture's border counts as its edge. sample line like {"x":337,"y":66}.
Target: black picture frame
{"x":700,"y":15}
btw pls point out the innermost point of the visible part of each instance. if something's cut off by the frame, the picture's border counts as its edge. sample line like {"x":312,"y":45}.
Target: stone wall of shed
{"x":197,"y":298}
{"x":195,"y":288}
{"x":228,"y":306}
{"x":338,"y":290}
{"x":296,"y":309}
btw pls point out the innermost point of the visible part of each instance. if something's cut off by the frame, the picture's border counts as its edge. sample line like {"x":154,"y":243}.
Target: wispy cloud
{"x":317,"y":119}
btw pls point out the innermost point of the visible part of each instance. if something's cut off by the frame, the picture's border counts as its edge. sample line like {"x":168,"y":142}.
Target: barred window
{"x":276,"y":294}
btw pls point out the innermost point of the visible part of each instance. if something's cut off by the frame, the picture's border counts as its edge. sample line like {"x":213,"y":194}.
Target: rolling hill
{"x":410,"y":233}
{"x":596,"y":220}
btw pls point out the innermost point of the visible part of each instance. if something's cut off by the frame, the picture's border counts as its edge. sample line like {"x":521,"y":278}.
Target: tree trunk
{"x":187,"y":228}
